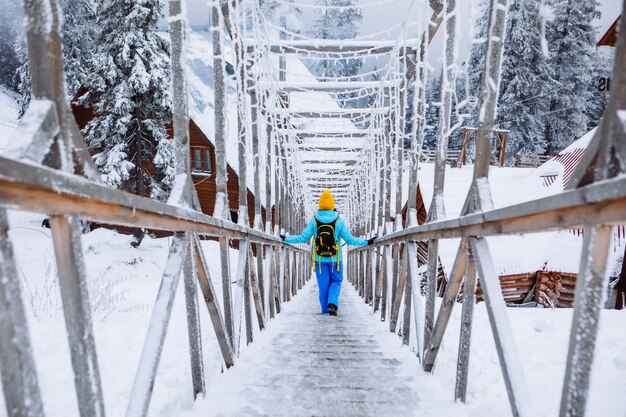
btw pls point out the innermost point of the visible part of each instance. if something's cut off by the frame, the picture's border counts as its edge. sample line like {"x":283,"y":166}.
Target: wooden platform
{"x":309,"y":364}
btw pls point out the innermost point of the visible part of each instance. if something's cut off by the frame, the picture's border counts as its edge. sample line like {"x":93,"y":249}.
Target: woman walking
{"x":327,"y":228}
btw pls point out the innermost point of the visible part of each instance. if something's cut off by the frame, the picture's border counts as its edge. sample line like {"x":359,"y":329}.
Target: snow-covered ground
{"x":542,"y":337}
{"x":123,"y":283}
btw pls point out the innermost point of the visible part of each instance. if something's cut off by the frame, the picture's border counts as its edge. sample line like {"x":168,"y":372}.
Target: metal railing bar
{"x":44,"y":190}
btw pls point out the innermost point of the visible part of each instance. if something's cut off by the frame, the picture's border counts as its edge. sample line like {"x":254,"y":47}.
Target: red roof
{"x":610,"y":37}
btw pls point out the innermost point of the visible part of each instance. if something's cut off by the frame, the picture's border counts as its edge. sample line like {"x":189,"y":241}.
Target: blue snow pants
{"x":329,"y":283}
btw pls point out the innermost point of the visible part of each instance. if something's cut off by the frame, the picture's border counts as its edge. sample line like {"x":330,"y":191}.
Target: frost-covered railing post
{"x":604,"y":159}
{"x":221,"y":209}
{"x":183,"y":181}
{"x":437,"y":209}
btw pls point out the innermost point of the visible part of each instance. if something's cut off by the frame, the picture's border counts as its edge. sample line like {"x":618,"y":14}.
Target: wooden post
{"x":180,"y":122}
{"x":490,"y":87}
{"x":145,"y":376}
{"x":210,"y":299}
{"x":226,"y":290}
{"x":239,"y":299}
{"x":77,"y":312}
{"x":603,"y":159}
{"x":519,"y":398}
{"x":433,"y":343}
{"x":22,"y":396}
{"x":504,"y":136}
{"x":242,"y":107}
{"x":437,"y":209}
{"x":221,"y":209}
{"x":469,"y":299}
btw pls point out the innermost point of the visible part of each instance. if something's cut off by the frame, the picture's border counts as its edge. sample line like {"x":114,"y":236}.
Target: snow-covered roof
{"x":558,"y":170}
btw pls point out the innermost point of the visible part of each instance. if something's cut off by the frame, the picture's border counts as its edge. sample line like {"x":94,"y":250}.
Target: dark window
{"x":197,"y":160}
{"x":234,"y":215}
{"x":201,"y":160}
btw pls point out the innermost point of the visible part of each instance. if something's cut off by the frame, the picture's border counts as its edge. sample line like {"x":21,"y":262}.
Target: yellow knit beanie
{"x":327,"y":201}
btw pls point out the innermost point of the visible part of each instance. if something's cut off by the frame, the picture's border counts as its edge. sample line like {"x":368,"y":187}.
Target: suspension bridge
{"x":51,"y":172}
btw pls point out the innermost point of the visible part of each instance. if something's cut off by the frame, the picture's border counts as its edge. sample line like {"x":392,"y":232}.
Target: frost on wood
{"x":19,"y":377}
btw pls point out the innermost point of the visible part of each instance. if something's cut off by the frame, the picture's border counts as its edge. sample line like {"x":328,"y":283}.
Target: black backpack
{"x":325,"y":243}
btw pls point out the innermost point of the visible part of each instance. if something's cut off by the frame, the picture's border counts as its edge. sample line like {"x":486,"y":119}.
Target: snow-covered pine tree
{"x":524,"y":76}
{"x":571,"y":39}
{"x":476,"y":63}
{"x":9,"y":60}
{"x":129,"y":92}
{"x":287,"y":13}
{"x":78,"y":33}
{"x":458,"y":115}
{"x":341,"y":21}
{"x":433,"y":104}
{"x":268,"y":7}
{"x":78,"y":41}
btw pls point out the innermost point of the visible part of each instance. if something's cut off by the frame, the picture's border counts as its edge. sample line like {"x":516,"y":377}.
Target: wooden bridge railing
{"x":48,"y":170}
{"x":596,"y":201}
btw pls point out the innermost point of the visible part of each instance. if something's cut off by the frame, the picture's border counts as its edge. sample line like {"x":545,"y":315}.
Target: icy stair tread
{"x":312,"y":365}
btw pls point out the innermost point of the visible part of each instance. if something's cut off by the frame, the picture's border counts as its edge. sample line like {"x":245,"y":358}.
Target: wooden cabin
{"x":202,"y":168}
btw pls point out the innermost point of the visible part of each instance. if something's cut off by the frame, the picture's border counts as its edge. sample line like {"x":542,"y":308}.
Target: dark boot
{"x":332,"y":310}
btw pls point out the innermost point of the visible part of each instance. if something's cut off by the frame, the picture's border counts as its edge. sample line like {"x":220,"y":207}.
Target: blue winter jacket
{"x":341,"y":231}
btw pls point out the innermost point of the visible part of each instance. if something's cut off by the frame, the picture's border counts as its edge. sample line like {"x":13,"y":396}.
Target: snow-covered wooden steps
{"x":309,"y":364}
